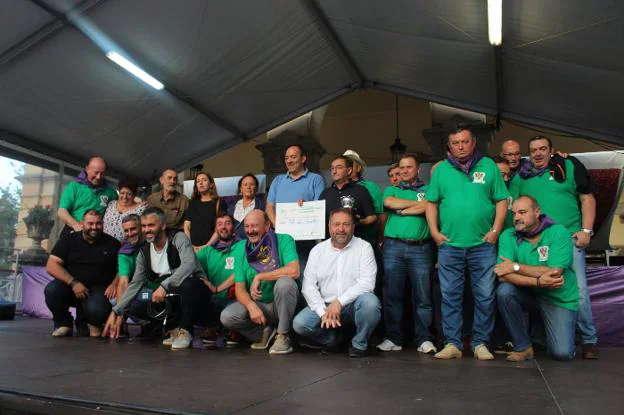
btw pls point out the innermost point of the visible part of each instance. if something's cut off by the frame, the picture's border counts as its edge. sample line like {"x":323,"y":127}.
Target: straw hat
{"x":355,"y":157}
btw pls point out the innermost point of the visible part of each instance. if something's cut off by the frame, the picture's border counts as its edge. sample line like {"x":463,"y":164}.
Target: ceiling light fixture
{"x":135,"y":70}
{"x":495,"y":22}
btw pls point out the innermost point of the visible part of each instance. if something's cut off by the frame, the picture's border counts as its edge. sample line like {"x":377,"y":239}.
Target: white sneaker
{"x":427,"y":347}
{"x":171,"y":336}
{"x":388,"y":346}
{"x":183,"y":340}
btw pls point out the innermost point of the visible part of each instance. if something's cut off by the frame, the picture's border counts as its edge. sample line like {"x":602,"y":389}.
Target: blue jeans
{"x":364,"y":312}
{"x":451,"y":263}
{"x":585,"y":323}
{"x":402,"y":261}
{"x":559,"y":322}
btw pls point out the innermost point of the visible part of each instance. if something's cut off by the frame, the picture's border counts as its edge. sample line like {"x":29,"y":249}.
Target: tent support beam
{"x":498,"y":61}
{"x":330,"y":34}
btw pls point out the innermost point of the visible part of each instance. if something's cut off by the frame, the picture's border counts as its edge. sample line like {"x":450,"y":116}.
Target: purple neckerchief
{"x":415,"y":186}
{"x":127,"y":248}
{"x":263,"y":257}
{"x":465,"y":167}
{"x":83,"y":179}
{"x":526,"y":170}
{"x":221,"y":246}
{"x":544,"y":223}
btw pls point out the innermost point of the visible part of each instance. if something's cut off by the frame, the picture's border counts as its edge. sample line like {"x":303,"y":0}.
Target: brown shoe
{"x":450,"y":351}
{"x":94,"y":331}
{"x":526,"y":354}
{"x":590,"y":351}
{"x":481,"y":352}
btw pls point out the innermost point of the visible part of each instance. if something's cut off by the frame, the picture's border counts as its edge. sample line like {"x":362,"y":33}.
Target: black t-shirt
{"x":92,"y":264}
{"x":363,"y":203}
{"x":202,"y":216}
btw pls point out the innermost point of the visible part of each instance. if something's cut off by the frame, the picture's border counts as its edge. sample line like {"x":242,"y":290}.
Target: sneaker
{"x":526,"y":354}
{"x":267,"y":335}
{"x":388,"y":346}
{"x":481,"y":352}
{"x":170,"y":337}
{"x":209,"y":337}
{"x":94,"y":331}
{"x":309,"y":344}
{"x":427,"y":347}
{"x":450,"y":351}
{"x":63,"y":331}
{"x":82,"y":329}
{"x":504,"y":348}
{"x":183,"y":340}
{"x":151,"y":330}
{"x":355,"y":353}
{"x":281,"y":345}
{"x":590,"y":351}
{"x":233,"y":339}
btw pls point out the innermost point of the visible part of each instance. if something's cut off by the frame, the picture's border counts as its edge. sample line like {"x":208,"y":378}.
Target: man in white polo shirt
{"x":338,"y":287}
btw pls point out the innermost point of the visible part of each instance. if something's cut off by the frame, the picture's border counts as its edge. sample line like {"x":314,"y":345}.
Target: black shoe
{"x":151,"y":330}
{"x":82,"y":329}
{"x":590,"y":351}
{"x":354,"y":352}
{"x":325,"y":350}
{"x":504,"y":348}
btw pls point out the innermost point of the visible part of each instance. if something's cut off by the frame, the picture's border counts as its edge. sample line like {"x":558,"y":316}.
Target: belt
{"x":421,"y":242}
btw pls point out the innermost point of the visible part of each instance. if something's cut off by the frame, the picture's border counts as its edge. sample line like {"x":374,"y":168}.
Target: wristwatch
{"x":516,"y":267}
{"x":588,"y":231}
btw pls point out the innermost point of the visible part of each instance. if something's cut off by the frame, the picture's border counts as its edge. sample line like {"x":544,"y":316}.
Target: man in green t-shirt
{"x":535,"y":271}
{"x":218,"y":262}
{"x":265,"y":270}
{"x":89,"y":191}
{"x":466,"y":211}
{"x":408,"y":254}
{"x":564,"y":189}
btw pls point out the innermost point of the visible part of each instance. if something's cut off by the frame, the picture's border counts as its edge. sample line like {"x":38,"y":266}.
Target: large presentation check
{"x":303,"y":223}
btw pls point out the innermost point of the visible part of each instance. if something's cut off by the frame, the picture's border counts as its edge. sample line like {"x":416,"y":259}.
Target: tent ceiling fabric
{"x":235,"y":69}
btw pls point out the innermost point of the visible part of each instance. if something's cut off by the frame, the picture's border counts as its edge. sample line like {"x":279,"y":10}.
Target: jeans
{"x":402,"y":261}
{"x":280,"y":312}
{"x":364,"y":312}
{"x":93,"y":309}
{"x":451,"y":263}
{"x":559,"y":322}
{"x":585,"y":323}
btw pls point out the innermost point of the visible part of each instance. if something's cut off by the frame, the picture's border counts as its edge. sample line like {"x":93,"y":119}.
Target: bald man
{"x":89,"y":191}
{"x":511,"y":152}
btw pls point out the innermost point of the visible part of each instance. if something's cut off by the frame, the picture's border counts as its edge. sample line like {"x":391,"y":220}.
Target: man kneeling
{"x":266,"y":266}
{"x":535,"y":270}
{"x":338,"y":287}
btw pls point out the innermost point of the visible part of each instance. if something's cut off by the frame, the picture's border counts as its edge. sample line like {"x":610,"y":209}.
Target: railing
{"x":10,"y":276}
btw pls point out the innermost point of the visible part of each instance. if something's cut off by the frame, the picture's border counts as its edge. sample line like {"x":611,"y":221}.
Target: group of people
{"x":514,"y":228}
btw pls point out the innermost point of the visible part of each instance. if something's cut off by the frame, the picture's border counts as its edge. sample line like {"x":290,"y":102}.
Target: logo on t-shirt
{"x":229,"y":262}
{"x":103,"y":200}
{"x":543,"y":253}
{"x":478,"y":177}
{"x":420,"y":197}
{"x":552,"y":175}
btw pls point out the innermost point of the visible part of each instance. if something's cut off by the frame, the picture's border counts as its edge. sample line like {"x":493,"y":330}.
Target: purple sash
{"x":263,"y":257}
{"x":415,"y":186}
{"x":465,"y":167}
{"x":545,"y":222}
{"x":83,"y":179}
{"x":127,"y":248}
{"x":526,"y":170}
{"x":221,"y":246}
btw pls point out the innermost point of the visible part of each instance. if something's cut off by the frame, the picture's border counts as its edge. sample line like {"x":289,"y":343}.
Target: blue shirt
{"x":286,"y":190}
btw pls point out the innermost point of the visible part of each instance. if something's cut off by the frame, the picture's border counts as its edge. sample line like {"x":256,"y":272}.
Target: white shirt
{"x":240,"y":212}
{"x":159,"y":261}
{"x":342,"y":274}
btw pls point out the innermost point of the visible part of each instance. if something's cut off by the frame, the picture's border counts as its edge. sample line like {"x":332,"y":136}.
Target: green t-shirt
{"x":509,"y":217}
{"x":126,"y":264}
{"x":406,"y":227}
{"x":79,"y":198}
{"x":218,"y":265}
{"x":243,"y":272}
{"x":370,"y":233}
{"x":554,"y":248}
{"x":467,"y":204}
{"x":560,"y":201}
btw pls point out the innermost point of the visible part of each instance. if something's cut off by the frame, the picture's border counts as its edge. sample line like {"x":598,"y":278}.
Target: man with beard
{"x":535,"y":271}
{"x":466,"y":209}
{"x":564,"y":190}
{"x":89,"y":191}
{"x":510,"y":151}
{"x":343,"y":192}
{"x":84,"y":266}
{"x":408,"y":255}
{"x":266,"y":292}
{"x":218,"y":262}
{"x":170,"y":200}
{"x":165,"y":266}
{"x":338,"y":288}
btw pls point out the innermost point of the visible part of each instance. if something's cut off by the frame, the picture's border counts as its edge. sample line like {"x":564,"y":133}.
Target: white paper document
{"x":303,"y":223}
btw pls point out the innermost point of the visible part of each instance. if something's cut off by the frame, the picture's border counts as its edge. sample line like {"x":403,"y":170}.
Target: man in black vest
{"x":166,"y":270}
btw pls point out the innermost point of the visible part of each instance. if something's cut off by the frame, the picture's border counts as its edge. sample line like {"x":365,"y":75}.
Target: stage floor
{"x":40,"y":374}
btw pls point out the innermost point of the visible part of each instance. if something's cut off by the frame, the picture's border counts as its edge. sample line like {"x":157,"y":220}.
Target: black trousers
{"x":192,"y":307}
{"x":93,"y":309}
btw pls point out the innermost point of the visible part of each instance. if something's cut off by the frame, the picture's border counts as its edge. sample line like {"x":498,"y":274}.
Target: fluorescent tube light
{"x":135,"y":70}
{"x":495,"y":22}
